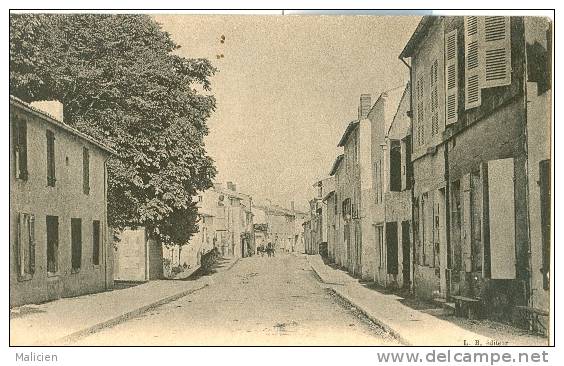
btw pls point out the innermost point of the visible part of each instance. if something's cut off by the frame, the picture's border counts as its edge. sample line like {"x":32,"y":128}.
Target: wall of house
{"x":539,"y":149}
{"x":341,"y":258}
{"x":428,"y":172}
{"x":66,"y":200}
{"x":130,"y":256}
{"x":365,"y":200}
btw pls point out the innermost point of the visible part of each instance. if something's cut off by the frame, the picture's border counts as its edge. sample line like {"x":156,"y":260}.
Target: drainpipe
{"x":412,"y":182}
{"x":528,"y":292}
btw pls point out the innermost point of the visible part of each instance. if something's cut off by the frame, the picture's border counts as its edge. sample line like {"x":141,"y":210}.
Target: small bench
{"x":532,"y":316}
{"x":466,"y":307}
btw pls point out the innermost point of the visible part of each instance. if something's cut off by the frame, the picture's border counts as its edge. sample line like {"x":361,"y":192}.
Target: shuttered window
{"x":52,"y":223}
{"x":420,"y":113}
{"x":25,"y":245}
{"x":434,"y":103}
{"x":76,"y":244}
{"x":495,"y":47}
{"x":85,"y":170}
{"x":19,"y":143}
{"x":96,"y":242}
{"x":50,"y":158}
{"x":451,"y":77}
{"x":472,"y":65}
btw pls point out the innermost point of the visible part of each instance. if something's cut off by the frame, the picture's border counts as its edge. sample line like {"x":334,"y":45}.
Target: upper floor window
{"x":85,"y":170}
{"x":420,"y":126}
{"x":51,"y":179}
{"x":451,"y":76}
{"x":20,"y":148}
{"x":487,"y":48}
{"x":434,"y":102}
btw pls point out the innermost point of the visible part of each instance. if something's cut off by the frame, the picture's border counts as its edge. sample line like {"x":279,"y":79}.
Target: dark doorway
{"x":392,"y":247}
{"x":406,"y":251}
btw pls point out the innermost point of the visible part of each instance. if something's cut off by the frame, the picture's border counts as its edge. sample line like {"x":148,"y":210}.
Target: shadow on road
{"x":202,"y":272}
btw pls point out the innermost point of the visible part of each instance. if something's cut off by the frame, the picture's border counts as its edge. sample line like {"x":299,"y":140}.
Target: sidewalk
{"x":60,"y":321}
{"x":430,"y":327}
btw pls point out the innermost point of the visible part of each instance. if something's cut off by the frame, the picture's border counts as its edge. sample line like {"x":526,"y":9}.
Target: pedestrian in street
{"x":269,"y":249}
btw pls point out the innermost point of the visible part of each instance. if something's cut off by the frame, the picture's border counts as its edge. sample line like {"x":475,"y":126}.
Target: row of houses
{"x":444,"y":184}
{"x":59,"y":237}
{"x":232,"y":222}
{"x":60,"y":242}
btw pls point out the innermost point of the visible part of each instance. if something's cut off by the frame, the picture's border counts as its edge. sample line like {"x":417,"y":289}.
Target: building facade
{"x":60,"y":243}
{"x":471,"y":171}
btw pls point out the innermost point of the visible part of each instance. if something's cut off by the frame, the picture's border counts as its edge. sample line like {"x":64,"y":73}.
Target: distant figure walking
{"x":269,"y":249}
{"x":261,"y":250}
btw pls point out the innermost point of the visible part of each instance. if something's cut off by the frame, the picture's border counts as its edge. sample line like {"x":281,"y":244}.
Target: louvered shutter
{"x":472,"y":63}
{"x":451,"y":77}
{"x":495,"y":51}
{"x":31,"y":227}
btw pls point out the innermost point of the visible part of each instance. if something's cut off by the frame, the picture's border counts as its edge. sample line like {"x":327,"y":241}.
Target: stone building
{"x":391,"y":207}
{"x":337,"y":251}
{"x":470,"y":164}
{"x":60,"y":244}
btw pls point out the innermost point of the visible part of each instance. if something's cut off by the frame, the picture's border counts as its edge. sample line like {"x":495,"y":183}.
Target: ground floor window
{"x":379,"y":232}
{"x":96,"y":242}
{"x":76,"y":244}
{"x":52,"y":223}
{"x":25,"y":245}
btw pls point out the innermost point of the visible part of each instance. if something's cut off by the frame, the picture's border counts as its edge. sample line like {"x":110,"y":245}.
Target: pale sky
{"x":286,"y":89}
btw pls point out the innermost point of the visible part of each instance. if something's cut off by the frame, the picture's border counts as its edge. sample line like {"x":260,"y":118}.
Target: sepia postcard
{"x":280,"y":180}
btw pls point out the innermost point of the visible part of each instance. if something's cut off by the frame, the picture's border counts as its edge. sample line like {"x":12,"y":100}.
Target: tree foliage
{"x":122,"y":83}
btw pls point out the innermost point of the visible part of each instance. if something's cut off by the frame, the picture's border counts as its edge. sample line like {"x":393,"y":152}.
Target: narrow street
{"x":260,"y":301}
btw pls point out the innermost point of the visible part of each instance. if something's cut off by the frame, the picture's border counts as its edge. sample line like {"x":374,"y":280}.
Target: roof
{"x":393,"y":101}
{"x":60,"y":124}
{"x":418,"y":35}
{"x":396,"y":121}
{"x":232,"y":194}
{"x":336,"y":164}
{"x":350,"y":128}
{"x":275,"y":209}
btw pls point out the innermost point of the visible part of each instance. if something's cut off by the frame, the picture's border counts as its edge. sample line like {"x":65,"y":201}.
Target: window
{"x":545,"y":201}
{"x":472,"y":63}
{"x":50,"y":159}
{"x":420,"y":128}
{"x":451,"y":76}
{"x":381,"y":248}
{"x":19,"y":144}
{"x":52,"y":223}
{"x":85,"y":170}
{"x":25,"y":245}
{"x":496,"y":47}
{"x":76,"y":244}
{"x":434,"y":104}
{"x":96,"y":242}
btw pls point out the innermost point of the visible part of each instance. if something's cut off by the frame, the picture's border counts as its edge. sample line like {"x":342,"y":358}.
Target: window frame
{"x":51,"y":163}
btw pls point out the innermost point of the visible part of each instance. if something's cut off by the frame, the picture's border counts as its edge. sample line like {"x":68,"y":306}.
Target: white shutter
{"x":495,"y":51}
{"x":501,"y":202}
{"x":451,"y":77}
{"x":472,"y":63}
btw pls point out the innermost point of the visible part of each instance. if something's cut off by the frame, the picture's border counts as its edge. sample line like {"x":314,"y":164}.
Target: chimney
{"x":292,"y":206}
{"x":231,"y":186}
{"x":364,"y":106}
{"x":54,"y":108}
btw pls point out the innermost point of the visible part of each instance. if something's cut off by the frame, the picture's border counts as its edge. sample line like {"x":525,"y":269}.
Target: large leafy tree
{"x":121,"y":82}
